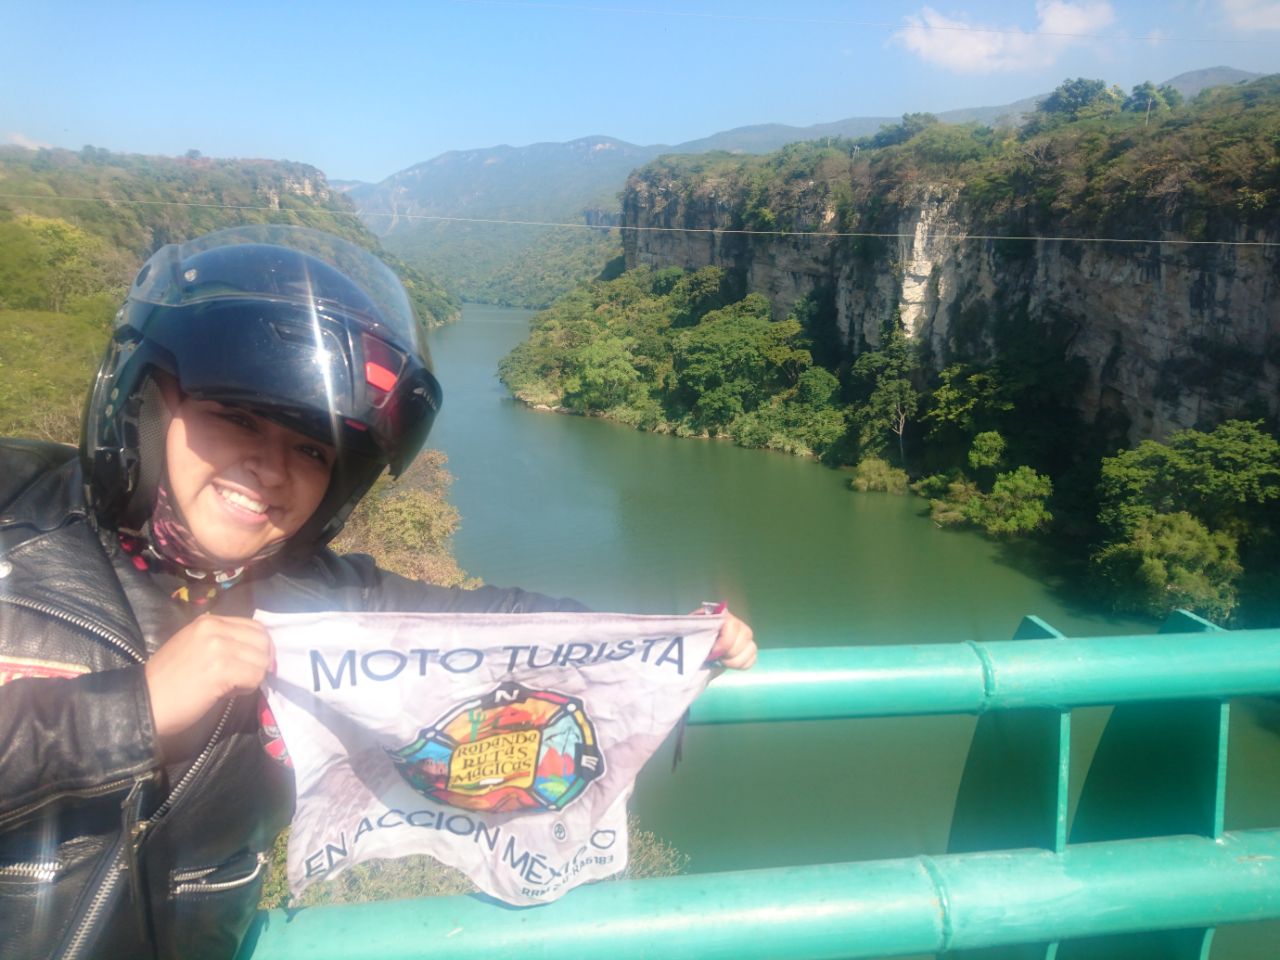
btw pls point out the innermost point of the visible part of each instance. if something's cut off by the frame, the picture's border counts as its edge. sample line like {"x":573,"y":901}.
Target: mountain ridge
{"x":414,"y":211}
{"x":767,"y":137}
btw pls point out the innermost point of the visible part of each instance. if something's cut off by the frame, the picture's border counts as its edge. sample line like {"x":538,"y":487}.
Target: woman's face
{"x":241,"y":482}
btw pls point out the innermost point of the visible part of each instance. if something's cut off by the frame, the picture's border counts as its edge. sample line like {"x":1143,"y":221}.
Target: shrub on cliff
{"x":406,"y":524}
{"x":1226,"y":478}
{"x":1172,"y":560}
{"x":1016,"y":506}
{"x":1185,"y":519}
{"x":875,"y":474}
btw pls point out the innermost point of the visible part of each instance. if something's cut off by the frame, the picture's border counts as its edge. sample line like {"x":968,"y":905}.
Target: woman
{"x":257,"y":383}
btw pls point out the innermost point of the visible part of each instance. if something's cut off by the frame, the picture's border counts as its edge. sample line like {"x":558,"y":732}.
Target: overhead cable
{"x":717,"y":231}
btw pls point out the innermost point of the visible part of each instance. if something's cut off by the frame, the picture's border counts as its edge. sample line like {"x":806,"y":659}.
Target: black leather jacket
{"x":106,"y":850}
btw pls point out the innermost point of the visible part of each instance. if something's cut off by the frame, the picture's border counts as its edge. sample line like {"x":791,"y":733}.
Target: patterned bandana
{"x":169,"y":546}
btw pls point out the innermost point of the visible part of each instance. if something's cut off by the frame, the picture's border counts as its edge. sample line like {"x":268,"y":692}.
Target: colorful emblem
{"x":513,"y":749}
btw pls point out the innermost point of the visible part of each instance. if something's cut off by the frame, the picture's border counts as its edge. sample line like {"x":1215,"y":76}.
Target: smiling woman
{"x":257,"y":383}
{"x":243,"y":483}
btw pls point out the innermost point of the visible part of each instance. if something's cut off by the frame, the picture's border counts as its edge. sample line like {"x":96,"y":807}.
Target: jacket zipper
{"x":89,"y":626}
{"x":85,"y":793}
{"x":42,"y":871}
{"x":189,"y":880}
{"x":126,"y":850}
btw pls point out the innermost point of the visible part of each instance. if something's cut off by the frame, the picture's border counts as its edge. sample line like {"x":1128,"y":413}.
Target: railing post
{"x":1013,"y":792}
{"x":1160,"y":769}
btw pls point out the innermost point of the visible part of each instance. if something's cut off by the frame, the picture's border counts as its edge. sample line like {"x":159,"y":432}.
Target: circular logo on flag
{"x":512,"y":749}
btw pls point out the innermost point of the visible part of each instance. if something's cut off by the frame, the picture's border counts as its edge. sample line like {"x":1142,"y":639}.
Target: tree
{"x":600,"y":375}
{"x":1172,"y":560}
{"x":964,"y":402}
{"x":1016,"y":505}
{"x":1178,"y":512}
{"x":912,"y":123}
{"x":1223,"y":478}
{"x":48,"y":263}
{"x":1079,"y":98}
{"x":987,"y":451}
{"x":734,"y":358}
{"x":816,"y":416}
{"x":696,"y":294}
{"x":1147,"y":98}
{"x":892,"y":400}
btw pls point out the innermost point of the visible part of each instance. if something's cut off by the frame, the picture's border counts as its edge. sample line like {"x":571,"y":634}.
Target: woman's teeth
{"x":240,"y":500}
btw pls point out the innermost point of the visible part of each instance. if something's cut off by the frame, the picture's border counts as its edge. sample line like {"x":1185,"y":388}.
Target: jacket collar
{"x":51,"y":553}
{"x":42,"y":488}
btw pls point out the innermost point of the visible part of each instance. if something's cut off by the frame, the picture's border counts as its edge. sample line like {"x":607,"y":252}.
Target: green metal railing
{"x":1146,"y":857}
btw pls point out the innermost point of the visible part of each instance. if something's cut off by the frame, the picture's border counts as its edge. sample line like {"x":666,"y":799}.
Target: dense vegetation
{"x":1194,"y":523}
{"x":993,"y":438}
{"x":1091,"y":160}
{"x":509,"y":265}
{"x":475,"y":192}
{"x":683,"y":354}
{"x":74,"y":227}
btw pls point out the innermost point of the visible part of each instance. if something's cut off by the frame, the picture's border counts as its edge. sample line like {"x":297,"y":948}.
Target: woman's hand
{"x":209,"y":659}
{"x":735,"y":646}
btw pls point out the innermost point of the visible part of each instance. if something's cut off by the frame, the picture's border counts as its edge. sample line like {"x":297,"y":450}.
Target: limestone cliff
{"x":1173,"y":335}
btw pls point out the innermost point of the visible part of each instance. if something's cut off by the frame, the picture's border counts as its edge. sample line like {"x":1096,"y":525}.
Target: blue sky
{"x":363,"y":91}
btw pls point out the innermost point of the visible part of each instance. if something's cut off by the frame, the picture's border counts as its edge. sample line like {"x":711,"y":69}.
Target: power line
{"x":717,"y":231}
{"x":873,"y":24}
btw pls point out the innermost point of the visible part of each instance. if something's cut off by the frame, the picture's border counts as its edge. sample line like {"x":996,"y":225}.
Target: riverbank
{"x":663,"y":428}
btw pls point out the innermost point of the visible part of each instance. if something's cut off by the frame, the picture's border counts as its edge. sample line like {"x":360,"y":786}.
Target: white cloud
{"x":1253,"y":14}
{"x":966,"y":47}
{"x":22,"y":140}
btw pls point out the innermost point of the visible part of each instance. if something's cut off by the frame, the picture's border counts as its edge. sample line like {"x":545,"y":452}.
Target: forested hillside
{"x":118,"y":208}
{"x":489,"y":261}
{"x":1092,"y":158}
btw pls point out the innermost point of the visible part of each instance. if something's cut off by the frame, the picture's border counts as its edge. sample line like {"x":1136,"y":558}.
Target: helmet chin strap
{"x":151,"y":425}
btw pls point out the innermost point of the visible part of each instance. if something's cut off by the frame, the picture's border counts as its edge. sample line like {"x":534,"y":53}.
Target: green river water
{"x":637,"y":522}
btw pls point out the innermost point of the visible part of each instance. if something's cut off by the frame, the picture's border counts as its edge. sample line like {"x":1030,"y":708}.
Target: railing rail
{"x":1152,"y":808}
{"x":849,"y":910}
{"x":831,"y":683}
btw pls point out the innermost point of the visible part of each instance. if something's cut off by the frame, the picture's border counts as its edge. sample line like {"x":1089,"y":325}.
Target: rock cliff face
{"x":1172,"y":335}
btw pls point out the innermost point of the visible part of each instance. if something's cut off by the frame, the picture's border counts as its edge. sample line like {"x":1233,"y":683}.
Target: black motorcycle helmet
{"x":292,"y":324}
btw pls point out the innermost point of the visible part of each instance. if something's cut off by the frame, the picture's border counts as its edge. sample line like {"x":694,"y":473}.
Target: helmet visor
{"x":347,"y":278}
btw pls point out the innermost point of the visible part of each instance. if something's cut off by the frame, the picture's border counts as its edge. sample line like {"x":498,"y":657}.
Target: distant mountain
{"x":578,"y":182}
{"x":541,"y":181}
{"x":767,"y":137}
{"x":1190,"y":83}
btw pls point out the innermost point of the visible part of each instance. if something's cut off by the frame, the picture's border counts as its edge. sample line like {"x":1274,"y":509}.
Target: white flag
{"x":505,"y":745}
